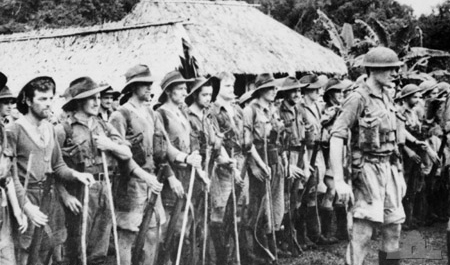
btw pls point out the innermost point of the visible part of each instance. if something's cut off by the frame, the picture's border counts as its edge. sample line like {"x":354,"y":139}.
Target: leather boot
{"x":382,"y":259}
{"x":313,"y":224}
{"x":341,"y":222}
{"x":326,"y":217}
{"x":217,"y":234}
{"x":300,"y":225}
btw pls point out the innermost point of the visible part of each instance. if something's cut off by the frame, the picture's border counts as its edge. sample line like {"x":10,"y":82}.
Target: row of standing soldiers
{"x":257,"y":179}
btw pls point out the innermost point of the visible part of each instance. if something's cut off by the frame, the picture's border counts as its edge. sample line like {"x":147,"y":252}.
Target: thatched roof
{"x":225,"y":36}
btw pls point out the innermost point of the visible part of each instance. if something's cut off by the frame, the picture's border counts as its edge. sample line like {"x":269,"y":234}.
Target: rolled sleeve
{"x":351,"y":110}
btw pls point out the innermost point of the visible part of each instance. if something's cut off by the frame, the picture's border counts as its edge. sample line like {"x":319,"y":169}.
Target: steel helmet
{"x":381,"y":57}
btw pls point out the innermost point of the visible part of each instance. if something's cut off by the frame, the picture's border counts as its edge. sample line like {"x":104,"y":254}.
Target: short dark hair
{"x":41,"y":84}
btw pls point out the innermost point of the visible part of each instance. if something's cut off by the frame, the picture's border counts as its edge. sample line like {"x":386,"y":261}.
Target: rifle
{"x":84,"y":218}
{"x":165,"y":252}
{"x":185,"y":216}
{"x":271,"y":216}
{"x":312,"y":163}
{"x":294,"y":245}
{"x":111,"y":205}
{"x":33,"y":257}
{"x":137,"y":251}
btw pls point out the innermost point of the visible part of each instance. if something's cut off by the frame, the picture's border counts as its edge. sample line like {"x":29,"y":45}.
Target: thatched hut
{"x":225,"y":36}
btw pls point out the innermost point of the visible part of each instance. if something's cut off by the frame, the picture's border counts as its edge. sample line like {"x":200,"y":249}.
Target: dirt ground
{"x":435,"y":238}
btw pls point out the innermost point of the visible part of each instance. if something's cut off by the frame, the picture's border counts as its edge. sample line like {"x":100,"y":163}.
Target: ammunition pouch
{"x":369,"y":133}
{"x":272,"y":154}
{"x":137,"y":149}
{"x":309,"y":135}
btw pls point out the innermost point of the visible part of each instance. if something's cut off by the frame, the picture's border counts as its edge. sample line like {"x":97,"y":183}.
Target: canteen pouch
{"x":309,"y":135}
{"x":369,"y":133}
{"x":137,"y":149}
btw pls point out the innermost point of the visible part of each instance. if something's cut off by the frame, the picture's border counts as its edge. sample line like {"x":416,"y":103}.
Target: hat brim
{"x":8,"y":97}
{"x":245,"y":97}
{"x":273,"y":83}
{"x":282,"y":91}
{"x":215,"y":92}
{"x":70,"y":104}
{"x":162,"y":98}
{"x":408,"y":94}
{"x":375,"y":65}
{"x":321,"y":82}
{"x":146,"y":79}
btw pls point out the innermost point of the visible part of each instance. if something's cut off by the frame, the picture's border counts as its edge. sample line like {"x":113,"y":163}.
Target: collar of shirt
{"x":39,"y":134}
{"x":266,"y":110}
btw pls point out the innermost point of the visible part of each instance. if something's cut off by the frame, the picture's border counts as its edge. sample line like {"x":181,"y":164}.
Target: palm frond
{"x":371,"y":34}
{"x":335,"y":40}
{"x":381,"y":32}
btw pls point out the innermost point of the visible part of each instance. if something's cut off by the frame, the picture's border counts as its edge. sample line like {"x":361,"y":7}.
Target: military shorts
{"x":379,"y":189}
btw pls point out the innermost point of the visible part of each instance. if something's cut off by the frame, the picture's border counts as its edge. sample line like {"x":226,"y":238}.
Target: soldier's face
{"x":204,"y":97}
{"x":6,"y":106}
{"x":339,"y":96}
{"x":413,"y":99}
{"x":385,"y":77}
{"x":269,"y":94}
{"x":178,"y":94}
{"x":106,"y":101}
{"x":294,"y":97}
{"x":40,"y":105}
{"x":313,"y":94}
{"x":227,"y":89}
{"x":144,"y":91}
{"x":91,"y":105}
{"x":434,"y":93}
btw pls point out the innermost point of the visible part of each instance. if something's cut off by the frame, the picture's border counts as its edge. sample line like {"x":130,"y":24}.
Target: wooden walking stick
{"x":235,"y":225}
{"x":84,"y":218}
{"x":111,"y":205}
{"x":205,"y":227}
{"x":185,"y":215}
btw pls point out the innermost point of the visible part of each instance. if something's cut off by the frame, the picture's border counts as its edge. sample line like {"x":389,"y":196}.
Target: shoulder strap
{"x":69,"y":132}
{"x":164,"y":117}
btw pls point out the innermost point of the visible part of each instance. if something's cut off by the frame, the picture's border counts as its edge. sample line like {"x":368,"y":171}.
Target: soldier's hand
{"x":37,"y":217}
{"x":422,"y":144}
{"x":85,"y":178}
{"x":237,"y":178}
{"x":103,"y":143}
{"x":268,"y":171}
{"x":194,"y":159}
{"x":153,"y":183}
{"x":176,"y":186}
{"x":72,"y":203}
{"x":434,"y":158}
{"x":416,"y":158}
{"x":344,"y":192}
{"x":22,"y":221}
{"x":297,"y":173}
{"x":260,"y":174}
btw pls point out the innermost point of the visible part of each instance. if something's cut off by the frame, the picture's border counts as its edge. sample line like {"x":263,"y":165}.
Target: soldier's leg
{"x":99,"y":224}
{"x":359,"y":241}
{"x":326,"y":211}
{"x":126,"y":240}
{"x":7,"y":255}
{"x":390,"y":243}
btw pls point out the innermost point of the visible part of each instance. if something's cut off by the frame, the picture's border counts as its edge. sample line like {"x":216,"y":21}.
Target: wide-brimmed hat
{"x":5,"y":93}
{"x":314,"y":81}
{"x":264,"y":81}
{"x":171,"y":78}
{"x":443,"y":87}
{"x":80,"y":88}
{"x":287,"y":84}
{"x":199,"y":83}
{"x":408,"y":90}
{"x":137,"y":74}
{"x":245,"y":97}
{"x":109,"y":91}
{"x":43,"y":80}
{"x":347,"y":85}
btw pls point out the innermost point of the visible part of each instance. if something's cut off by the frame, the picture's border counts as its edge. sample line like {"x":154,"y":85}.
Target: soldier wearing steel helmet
{"x":368,"y":121}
